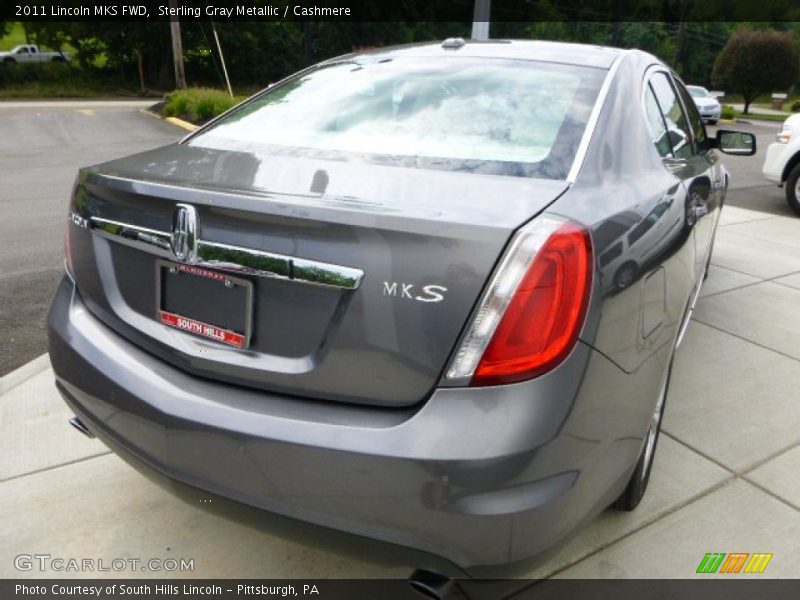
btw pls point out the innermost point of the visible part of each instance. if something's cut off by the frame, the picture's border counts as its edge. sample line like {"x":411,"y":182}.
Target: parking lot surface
{"x":42,"y":145}
{"x":725,"y":476}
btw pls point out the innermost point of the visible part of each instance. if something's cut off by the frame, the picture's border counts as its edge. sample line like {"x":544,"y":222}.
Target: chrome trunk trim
{"x":233,"y":259}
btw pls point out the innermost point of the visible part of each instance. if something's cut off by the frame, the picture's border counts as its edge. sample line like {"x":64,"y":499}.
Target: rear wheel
{"x":637,"y":485}
{"x":712,"y":121}
{"x":625,"y":275}
{"x":793,"y":189}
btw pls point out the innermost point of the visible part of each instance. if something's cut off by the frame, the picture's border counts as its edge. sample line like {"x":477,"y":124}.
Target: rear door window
{"x":655,"y":123}
{"x":679,"y":130}
{"x":699,"y":130}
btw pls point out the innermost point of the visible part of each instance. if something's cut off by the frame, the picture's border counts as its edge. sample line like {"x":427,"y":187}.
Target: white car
{"x":30,"y":53}
{"x":708,"y":106}
{"x":782,"y":164}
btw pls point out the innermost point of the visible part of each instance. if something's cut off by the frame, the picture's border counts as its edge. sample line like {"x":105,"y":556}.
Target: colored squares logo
{"x":734,"y":562}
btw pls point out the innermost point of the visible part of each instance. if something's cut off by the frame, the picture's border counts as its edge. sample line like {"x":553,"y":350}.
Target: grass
{"x":35,"y":89}
{"x":14,"y":37}
{"x":49,"y":80}
{"x":759,"y":117}
{"x":764,"y":100}
{"x":56,"y":80}
{"x":728,"y":112}
{"x":198,"y":105}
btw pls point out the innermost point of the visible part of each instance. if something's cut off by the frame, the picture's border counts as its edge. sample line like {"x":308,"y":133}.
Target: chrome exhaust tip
{"x":79,"y":425}
{"x":435,"y":586}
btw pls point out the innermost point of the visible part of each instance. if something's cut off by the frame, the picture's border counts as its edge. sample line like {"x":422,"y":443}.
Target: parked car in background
{"x":370,"y":297}
{"x":30,"y":53}
{"x":706,"y":103}
{"x":641,"y":243}
{"x":782,"y":162}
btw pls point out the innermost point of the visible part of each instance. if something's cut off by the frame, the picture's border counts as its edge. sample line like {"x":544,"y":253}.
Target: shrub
{"x":727,"y":112}
{"x":796,"y":106}
{"x":198,"y":105}
{"x":54,"y":79}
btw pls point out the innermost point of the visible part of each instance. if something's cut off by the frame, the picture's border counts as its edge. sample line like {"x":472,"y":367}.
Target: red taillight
{"x":543,"y":319}
{"x":531,"y":313}
{"x":67,"y":231}
{"x":67,"y":251}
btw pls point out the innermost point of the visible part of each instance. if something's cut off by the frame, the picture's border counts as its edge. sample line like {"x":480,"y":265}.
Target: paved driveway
{"x":725,"y":478}
{"x":42,"y":145}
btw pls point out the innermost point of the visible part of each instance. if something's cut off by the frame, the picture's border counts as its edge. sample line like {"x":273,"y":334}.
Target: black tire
{"x":625,"y":275}
{"x":9,"y":61}
{"x":793,"y":189}
{"x":637,"y":484}
{"x":712,"y":121}
{"x":57,"y":59}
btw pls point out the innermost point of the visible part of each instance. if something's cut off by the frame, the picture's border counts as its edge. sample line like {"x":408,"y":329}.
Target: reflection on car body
{"x":642,"y":243}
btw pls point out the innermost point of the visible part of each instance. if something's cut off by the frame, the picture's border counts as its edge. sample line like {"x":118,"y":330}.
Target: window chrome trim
{"x":591,"y":124}
{"x":648,"y":75}
{"x":677,"y":81}
{"x":232,"y":259}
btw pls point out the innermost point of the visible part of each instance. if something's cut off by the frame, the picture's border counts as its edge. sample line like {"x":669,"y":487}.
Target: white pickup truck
{"x":30,"y":53}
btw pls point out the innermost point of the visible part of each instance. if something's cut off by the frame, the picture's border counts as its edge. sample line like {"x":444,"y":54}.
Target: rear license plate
{"x":206,"y":303}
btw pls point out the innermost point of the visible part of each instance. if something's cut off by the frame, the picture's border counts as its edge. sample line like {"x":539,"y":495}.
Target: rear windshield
{"x":505,"y":117}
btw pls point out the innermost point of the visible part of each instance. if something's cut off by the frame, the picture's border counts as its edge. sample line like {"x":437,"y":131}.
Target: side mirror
{"x":737,"y":143}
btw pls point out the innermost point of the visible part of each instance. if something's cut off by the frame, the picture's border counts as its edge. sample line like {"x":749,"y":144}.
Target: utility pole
{"x":617,"y":35}
{"x":480,"y":20}
{"x":222,"y":60}
{"x":680,"y":46}
{"x":177,"y":47}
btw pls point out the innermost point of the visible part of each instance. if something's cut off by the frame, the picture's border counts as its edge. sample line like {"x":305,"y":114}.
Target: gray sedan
{"x":429,"y":295}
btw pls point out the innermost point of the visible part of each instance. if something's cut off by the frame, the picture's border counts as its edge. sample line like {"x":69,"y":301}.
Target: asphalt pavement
{"x":42,"y":146}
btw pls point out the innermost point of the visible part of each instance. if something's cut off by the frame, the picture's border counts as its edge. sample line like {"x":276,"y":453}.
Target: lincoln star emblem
{"x":184,"y":233}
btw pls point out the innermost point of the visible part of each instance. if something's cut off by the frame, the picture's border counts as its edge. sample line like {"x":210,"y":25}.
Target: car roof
{"x":600,"y":57}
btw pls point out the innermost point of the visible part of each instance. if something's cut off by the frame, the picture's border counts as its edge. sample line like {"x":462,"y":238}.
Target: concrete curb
{"x":182,"y":124}
{"x":23,"y":373}
{"x":173,"y":120}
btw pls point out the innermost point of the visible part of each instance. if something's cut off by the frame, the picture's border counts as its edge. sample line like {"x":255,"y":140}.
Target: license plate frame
{"x":239,"y":337}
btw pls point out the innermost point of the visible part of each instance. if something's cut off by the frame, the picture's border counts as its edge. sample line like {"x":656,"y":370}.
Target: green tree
{"x":757,"y":62}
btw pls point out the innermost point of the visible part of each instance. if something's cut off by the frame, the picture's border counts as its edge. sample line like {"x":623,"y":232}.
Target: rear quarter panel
{"x":635,"y":325}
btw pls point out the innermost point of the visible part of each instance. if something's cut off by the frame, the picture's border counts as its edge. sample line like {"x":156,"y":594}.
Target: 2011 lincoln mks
{"x":429,"y":295}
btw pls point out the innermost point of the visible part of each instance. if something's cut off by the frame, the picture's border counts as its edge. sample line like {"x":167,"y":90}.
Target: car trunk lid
{"x":424,"y":241}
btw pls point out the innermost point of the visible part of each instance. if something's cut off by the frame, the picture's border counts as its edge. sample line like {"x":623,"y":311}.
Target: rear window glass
{"x":498,"y":116}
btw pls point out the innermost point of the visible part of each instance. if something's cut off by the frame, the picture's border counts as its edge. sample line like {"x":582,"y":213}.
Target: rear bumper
{"x":481,"y":477}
